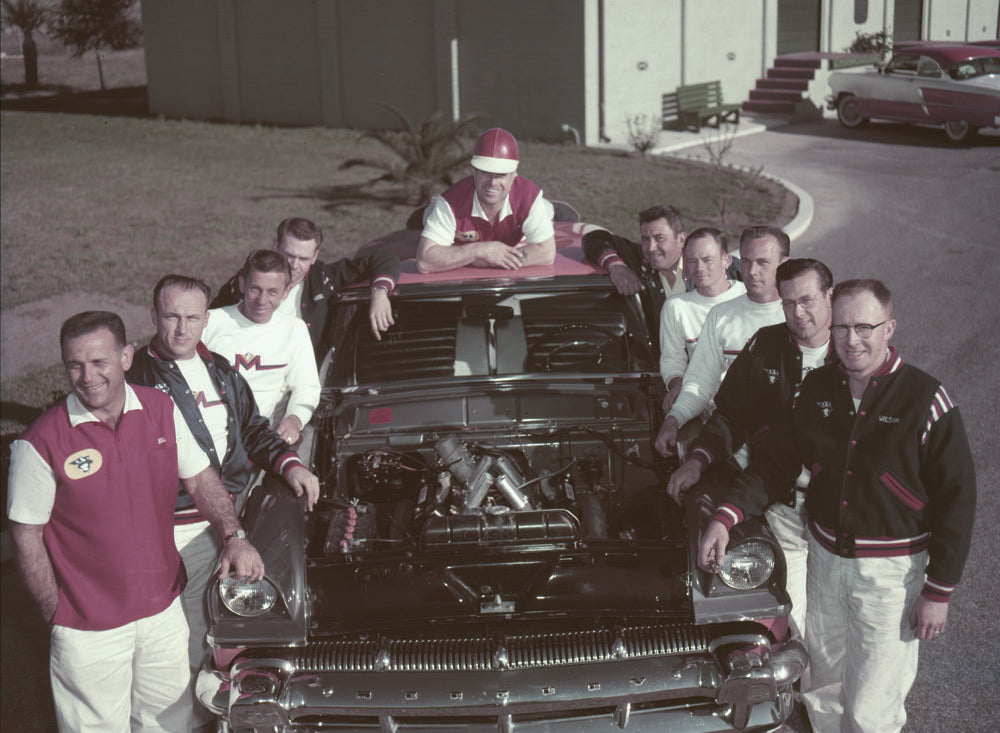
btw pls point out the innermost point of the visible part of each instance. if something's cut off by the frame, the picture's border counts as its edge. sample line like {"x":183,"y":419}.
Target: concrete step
{"x":788,"y":62}
{"x":767,"y":106}
{"x":789,"y":72}
{"x":796,"y":84}
{"x":776,"y":95}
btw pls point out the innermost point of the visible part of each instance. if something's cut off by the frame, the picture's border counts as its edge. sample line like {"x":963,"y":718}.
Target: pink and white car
{"x":931,"y":83}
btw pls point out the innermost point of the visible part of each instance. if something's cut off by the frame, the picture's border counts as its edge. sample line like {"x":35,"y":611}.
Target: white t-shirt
{"x":213,"y":409}
{"x":727,"y":329}
{"x":813,"y":357}
{"x":276,"y":358}
{"x":680,"y":325}
{"x":440,"y":224}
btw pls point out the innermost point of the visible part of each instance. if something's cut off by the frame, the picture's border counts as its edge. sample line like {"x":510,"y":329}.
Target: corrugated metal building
{"x":529,"y":65}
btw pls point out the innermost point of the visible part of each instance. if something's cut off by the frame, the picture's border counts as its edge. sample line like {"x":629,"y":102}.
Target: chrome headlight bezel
{"x":748,"y":564}
{"x":248,"y":599}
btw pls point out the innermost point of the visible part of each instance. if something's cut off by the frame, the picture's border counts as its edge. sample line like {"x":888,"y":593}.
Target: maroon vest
{"x":111,"y":533}
{"x":471,"y":228}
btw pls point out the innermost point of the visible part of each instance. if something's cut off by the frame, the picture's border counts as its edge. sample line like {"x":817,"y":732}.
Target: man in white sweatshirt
{"x":727,"y":329}
{"x":271,"y":350}
{"x":706,"y":262}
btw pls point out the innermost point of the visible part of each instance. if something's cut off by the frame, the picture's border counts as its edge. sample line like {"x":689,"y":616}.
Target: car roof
{"x":569,"y":261}
{"x":946,"y":54}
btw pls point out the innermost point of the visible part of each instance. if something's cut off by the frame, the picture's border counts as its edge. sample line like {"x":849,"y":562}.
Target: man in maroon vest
{"x":492,"y":218}
{"x":92,"y":489}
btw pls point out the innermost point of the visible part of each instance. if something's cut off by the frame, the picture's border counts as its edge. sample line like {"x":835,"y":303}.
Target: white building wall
{"x":982,"y":21}
{"x":944,"y":20}
{"x":642,"y":60}
{"x":727,"y":40}
{"x":840,"y":28}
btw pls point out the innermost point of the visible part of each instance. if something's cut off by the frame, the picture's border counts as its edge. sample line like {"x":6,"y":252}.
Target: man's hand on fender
{"x":303,"y":481}
{"x":243,"y":559}
{"x":712,"y":547}
{"x":683,"y":479}
{"x":666,"y":441}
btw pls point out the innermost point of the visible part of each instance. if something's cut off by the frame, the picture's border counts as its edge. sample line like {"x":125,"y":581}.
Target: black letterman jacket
{"x":324,"y":281}
{"x":757,"y":392}
{"x":249,"y":434}
{"x":894,"y":479}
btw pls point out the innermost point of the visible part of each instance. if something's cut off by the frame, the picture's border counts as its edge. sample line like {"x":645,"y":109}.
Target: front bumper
{"x":733,"y":682}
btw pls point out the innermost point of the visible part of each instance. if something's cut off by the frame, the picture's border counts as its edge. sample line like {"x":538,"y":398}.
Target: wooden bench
{"x":694,"y":105}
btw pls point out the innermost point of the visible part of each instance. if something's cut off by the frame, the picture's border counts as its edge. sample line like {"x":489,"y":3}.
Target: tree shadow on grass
{"x":118,"y":102}
{"x":333,"y":198}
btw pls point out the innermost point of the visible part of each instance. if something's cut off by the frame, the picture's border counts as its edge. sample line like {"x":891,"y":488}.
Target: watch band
{"x":239,"y":534}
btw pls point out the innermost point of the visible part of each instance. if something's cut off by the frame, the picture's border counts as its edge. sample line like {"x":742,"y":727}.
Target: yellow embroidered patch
{"x":83,"y":463}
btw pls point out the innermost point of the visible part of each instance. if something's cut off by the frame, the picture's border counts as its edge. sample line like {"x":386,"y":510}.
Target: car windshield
{"x":971,"y":68}
{"x":502,"y":333}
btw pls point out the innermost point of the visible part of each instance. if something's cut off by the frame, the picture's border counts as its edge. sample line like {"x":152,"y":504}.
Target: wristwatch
{"x":239,"y":534}
{"x":383,"y":288}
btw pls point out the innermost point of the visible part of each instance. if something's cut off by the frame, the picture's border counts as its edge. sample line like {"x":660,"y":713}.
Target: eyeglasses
{"x":863,"y":330}
{"x":806,"y":302}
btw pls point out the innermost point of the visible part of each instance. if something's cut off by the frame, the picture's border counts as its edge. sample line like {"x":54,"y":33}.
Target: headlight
{"x":245,"y":598}
{"x":747,"y":565}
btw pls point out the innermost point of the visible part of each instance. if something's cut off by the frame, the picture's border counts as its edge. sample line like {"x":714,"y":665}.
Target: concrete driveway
{"x":898,"y":203}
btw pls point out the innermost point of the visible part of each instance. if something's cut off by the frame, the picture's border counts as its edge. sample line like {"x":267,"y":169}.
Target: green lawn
{"x":111,"y":204}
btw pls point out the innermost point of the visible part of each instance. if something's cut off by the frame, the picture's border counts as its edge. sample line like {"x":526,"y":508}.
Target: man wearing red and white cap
{"x":493,"y":218}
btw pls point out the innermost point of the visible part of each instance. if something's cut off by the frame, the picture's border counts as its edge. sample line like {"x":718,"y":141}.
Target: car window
{"x":928,"y":67}
{"x":974,"y":67}
{"x":904,"y":64}
{"x":494,"y":334}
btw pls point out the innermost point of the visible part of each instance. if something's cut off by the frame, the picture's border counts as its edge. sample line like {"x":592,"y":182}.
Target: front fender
{"x":275,"y":524}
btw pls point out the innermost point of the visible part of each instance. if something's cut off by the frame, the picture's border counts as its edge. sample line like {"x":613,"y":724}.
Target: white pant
{"x":199,"y":546}
{"x":789,"y":527}
{"x":862,"y":651}
{"x":131,"y":678}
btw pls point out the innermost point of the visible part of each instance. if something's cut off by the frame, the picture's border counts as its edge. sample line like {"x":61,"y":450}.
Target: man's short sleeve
{"x":31,"y":488}
{"x":191,"y":459}
{"x":537,"y":225}
{"x":439,"y":222}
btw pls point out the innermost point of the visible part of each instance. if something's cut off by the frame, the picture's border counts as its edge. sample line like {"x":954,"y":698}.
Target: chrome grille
{"x":517,"y":651}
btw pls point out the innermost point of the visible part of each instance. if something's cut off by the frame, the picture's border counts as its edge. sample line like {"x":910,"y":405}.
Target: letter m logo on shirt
{"x":251,"y":362}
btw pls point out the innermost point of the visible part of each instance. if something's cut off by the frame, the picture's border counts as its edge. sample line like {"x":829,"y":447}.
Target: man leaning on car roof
{"x":493,"y":218}
{"x":314,"y":282}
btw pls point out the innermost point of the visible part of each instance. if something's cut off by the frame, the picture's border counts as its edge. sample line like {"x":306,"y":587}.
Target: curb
{"x":807,"y":207}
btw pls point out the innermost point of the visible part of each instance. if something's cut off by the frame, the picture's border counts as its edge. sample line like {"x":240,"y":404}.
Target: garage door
{"x":798,"y":25}
{"x":906,"y":20}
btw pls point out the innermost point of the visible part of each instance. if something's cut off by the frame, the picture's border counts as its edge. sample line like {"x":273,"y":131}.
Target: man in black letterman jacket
{"x":756,"y":394}
{"x":891,"y":502}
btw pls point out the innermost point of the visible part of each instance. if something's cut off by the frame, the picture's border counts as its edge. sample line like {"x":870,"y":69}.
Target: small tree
{"x":28,"y":16}
{"x":86,"y":25}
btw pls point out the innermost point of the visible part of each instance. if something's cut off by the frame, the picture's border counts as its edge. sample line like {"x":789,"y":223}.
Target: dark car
{"x":957,"y":86}
{"x":494,"y":550}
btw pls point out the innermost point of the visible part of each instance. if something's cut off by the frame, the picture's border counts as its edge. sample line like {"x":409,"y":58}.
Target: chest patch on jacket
{"x":466,"y":237}
{"x":825,"y":408}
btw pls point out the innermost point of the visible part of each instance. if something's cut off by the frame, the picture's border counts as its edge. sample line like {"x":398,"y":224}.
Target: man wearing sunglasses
{"x":890,"y":504}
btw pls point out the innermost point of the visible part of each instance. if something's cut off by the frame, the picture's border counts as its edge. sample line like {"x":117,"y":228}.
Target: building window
{"x":860,"y":11}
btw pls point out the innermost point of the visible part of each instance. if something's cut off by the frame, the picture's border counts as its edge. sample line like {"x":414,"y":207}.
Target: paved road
{"x":891,"y":202}
{"x":898,"y":203}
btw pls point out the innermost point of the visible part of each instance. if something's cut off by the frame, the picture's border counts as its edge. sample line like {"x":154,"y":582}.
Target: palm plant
{"x":28,"y":16}
{"x":429,"y":155}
